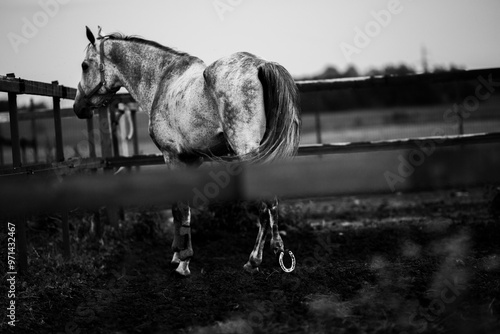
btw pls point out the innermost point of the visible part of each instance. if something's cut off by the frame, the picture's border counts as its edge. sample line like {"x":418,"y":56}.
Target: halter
{"x":102,"y":83}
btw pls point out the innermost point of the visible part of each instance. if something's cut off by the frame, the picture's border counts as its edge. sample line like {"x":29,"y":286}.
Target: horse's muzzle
{"x":82,"y":111}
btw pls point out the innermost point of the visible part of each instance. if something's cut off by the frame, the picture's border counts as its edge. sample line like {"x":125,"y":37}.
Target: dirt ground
{"x":406,"y":263}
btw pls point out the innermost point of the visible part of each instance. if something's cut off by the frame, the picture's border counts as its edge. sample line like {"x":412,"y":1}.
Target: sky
{"x":45,"y":40}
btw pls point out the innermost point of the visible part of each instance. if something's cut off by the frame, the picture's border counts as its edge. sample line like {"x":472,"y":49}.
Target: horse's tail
{"x":281,"y":102}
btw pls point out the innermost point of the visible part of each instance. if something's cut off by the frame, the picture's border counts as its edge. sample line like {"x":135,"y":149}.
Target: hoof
{"x":183,"y":269}
{"x":182,"y":274}
{"x":250,"y":269}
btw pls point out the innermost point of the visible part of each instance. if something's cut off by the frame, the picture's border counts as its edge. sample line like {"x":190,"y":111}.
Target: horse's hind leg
{"x":268,"y":220}
{"x":276,"y":242}
{"x":255,"y":259}
{"x":182,"y":247}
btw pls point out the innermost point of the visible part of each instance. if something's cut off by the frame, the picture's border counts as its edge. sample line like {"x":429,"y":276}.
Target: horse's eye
{"x":85,"y":66}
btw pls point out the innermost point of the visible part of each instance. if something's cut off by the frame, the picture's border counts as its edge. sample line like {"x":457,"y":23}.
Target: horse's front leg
{"x":182,"y":247}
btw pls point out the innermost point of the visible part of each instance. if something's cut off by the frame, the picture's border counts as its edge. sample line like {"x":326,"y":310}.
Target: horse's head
{"x":98,"y":83}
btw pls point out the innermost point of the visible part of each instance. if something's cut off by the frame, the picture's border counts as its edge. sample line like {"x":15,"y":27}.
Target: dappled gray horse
{"x":240,"y":105}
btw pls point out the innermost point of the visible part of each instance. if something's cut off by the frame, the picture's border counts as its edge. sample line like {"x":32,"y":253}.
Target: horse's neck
{"x":140,"y":68}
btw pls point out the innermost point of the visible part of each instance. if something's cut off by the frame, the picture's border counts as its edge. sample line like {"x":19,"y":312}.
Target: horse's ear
{"x":275,"y":201}
{"x":90,"y":36}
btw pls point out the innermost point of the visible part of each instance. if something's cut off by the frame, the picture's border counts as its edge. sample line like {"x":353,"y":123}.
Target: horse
{"x":240,"y":106}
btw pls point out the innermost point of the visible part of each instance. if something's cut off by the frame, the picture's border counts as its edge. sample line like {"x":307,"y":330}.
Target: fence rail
{"x":394,"y":80}
{"x":200,"y":186}
{"x":10,"y":84}
{"x":339,"y":148}
{"x":42,"y":114}
{"x":62,"y":168}
{"x":74,"y":165}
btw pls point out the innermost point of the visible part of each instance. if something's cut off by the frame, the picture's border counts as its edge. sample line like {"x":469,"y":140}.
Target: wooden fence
{"x":20,"y":195}
{"x":110,"y":158}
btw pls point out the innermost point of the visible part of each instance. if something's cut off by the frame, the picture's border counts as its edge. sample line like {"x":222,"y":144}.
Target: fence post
{"x":14,"y":130}
{"x":105,"y":133}
{"x":460,"y":125}
{"x":1,"y":146}
{"x":96,"y":229}
{"x":58,"y":127}
{"x":114,"y":127}
{"x":115,"y":213}
{"x":24,"y":144}
{"x":95,"y":214}
{"x":91,"y":137}
{"x":105,"y":130}
{"x":135,"y":137}
{"x":33,"y":132}
{"x":317,"y":123}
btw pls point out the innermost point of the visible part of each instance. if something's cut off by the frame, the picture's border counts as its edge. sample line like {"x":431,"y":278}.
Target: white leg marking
{"x":276,"y":242}
{"x":254,"y":254}
{"x":175,"y":258}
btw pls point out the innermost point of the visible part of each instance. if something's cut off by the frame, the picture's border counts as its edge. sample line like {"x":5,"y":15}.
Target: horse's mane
{"x":140,"y":40}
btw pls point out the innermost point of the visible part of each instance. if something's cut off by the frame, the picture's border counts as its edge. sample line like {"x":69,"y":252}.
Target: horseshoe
{"x":282,"y":265}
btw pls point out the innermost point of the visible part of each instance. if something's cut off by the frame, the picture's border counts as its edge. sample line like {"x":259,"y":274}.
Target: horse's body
{"x":240,"y":105}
